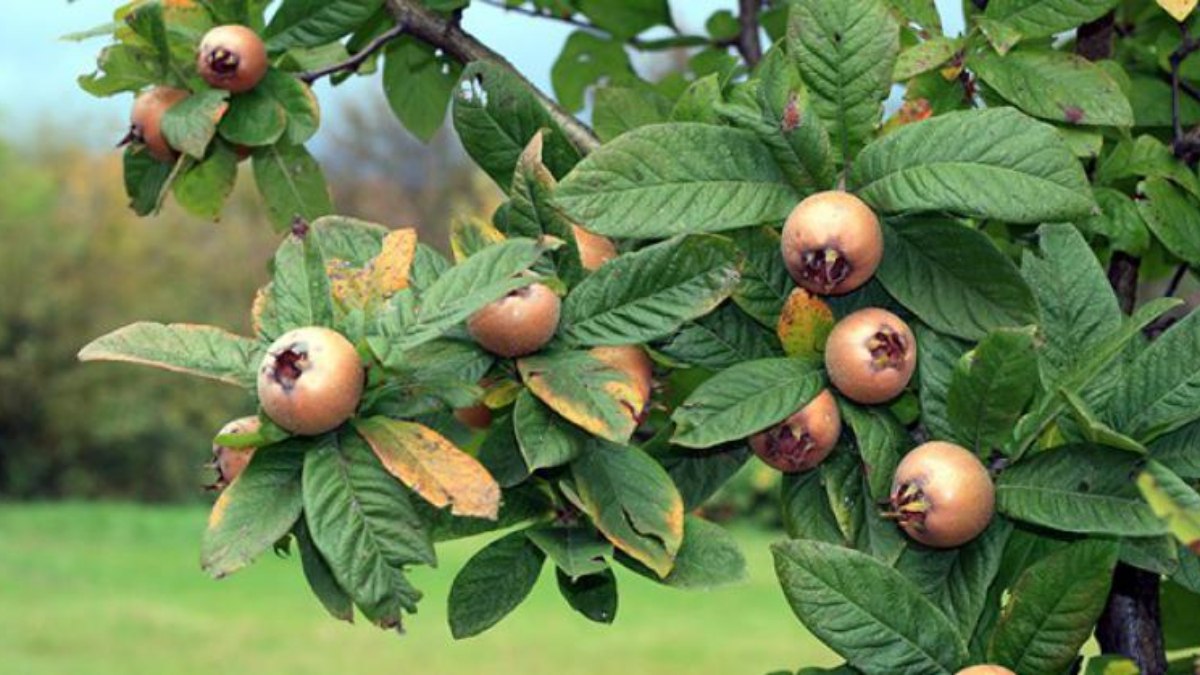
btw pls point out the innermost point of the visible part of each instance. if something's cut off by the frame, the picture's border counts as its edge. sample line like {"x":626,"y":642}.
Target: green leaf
{"x":496,"y":116}
{"x":1053,"y":608}
{"x":299,"y":105}
{"x":745,"y":399}
{"x":924,"y":57}
{"x":1178,"y":450}
{"x":204,"y":186}
{"x":1172,"y":217}
{"x":585,"y":60}
{"x":546,"y":440}
{"x":699,"y":475}
{"x":1085,"y":489}
{"x":1119,"y":220}
{"x":1079,"y":310}
{"x":501,"y":456}
{"x":355,"y":241}
{"x":203,"y":351}
{"x":666,"y":179}
{"x":954,"y":278}
{"x":320,"y":578}
{"x":145,"y":180}
{"x":254,"y":119}
{"x":845,"y":52}
{"x":627,"y":18}
{"x":994,"y":163}
{"x":1097,"y":432}
{"x":1039,"y":18}
{"x":256,"y":510}
{"x":493,"y":583}
{"x":531,"y":213}
{"x":765,"y":284}
{"x":578,"y":551}
{"x":619,"y":109}
{"x":632,"y":500}
{"x":1055,"y":86}
{"x":699,"y":101}
{"x":299,"y":294}
{"x":582,"y":389}
{"x":594,"y":596}
{"x":191,"y":124}
{"x":1174,"y":501}
{"x":1161,"y":390}
{"x":806,"y":510}
{"x":308,"y":23}
{"x":720,"y":340}
{"x":957,"y":580}
{"x":649,"y":294}
{"x":991,"y":388}
{"x":291,"y":184}
{"x":363,"y":523}
{"x":1146,"y":157}
{"x":121,"y":68}
{"x":938,"y":356}
{"x":881,"y":441}
{"x":866,"y":611}
{"x":418,"y":84}
{"x":709,"y":558}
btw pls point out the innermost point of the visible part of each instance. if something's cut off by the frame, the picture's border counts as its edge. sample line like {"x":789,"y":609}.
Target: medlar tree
{"x":630,"y":316}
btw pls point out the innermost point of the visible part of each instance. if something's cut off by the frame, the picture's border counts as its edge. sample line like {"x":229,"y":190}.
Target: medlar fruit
{"x":145,"y":122}
{"x":233,"y":58}
{"x":310,"y":381}
{"x":594,"y":249}
{"x":230,"y":462}
{"x":518,"y":324}
{"x":942,"y":495}
{"x":804,"y":439}
{"x":832,"y":243}
{"x":870,"y":355}
{"x":985,"y":669}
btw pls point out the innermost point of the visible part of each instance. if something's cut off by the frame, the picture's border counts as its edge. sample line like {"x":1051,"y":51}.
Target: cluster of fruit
{"x":231,"y":57}
{"x":942,"y":495}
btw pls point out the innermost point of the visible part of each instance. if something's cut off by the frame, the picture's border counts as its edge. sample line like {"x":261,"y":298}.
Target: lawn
{"x":97,"y":589}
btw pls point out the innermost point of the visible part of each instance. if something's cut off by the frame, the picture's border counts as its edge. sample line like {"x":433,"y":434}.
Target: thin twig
{"x":351,"y":64}
{"x":1187,"y":46}
{"x":749,"y":44}
{"x":677,"y":41}
{"x":1176,"y":279}
{"x":447,"y":35}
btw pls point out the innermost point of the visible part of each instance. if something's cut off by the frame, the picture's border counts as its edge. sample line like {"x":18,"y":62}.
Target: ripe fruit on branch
{"x":631,"y":360}
{"x":832,"y":243}
{"x":518,"y":324}
{"x":803,"y":440}
{"x":594,"y":249}
{"x":233,"y":58}
{"x":870,"y":355}
{"x":145,"y":122}
{"x":310,"y":380}
{"x":985,"y":669}
{"x":230,"y":462}
{"x":942,"y":495}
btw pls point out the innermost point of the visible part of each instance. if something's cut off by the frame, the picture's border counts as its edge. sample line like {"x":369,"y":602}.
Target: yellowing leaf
{"x":1174,"y":501}
{"x":349,"y":285}
{"x":433,"y":467}
{"x":587,"y":392}
{"x":1178,"y":9}
{"x":390,"y":269}
{"x":471,"y":235}
{"x":804,"y":325}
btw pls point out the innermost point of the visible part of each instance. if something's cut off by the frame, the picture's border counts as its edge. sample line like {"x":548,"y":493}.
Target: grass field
{"x":99,"y":589}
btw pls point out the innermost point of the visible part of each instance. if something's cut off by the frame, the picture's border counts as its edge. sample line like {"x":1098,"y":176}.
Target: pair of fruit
{"x":233,"y":58}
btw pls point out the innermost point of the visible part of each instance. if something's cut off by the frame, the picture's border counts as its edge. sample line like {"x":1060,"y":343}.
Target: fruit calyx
{"x":289,"y":365}
{"x":888,"y":348}
{"x":824,"y":269}
{"x":909,"y":506}
{"x":785,"y":446}
{"x":223,"y":61}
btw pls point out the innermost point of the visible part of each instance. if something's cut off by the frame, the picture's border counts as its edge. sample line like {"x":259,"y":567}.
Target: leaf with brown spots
{"x":632,"y":501}
{"x":590,"y":394}
{"x":432,"y":466}
{"x":390,"y":269}
{"x":804,"y":325}
{"x":204,"y":351}
{"x":349,"y":285}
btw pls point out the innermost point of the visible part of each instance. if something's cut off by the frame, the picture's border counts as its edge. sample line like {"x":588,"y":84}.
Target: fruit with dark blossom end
{"x":230,"y":462}
{"x":942,"y":495}
{"x":518,"y":324}
{"x":233,"y":58}
{"x":832,"y":243}
{"x":145,"y":122}
{"x":871,"y":355}
{"x":804,"y":439}
{"x":310,"y":380}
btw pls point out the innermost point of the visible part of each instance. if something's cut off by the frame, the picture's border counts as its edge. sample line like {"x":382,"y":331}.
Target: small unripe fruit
{"x":594,"y":249}
{"x":942,"y":495}
{"x":310,"y":381}
{"x":518,"y":324}
{"x":871,"y":355}
{"x":145,"y":122}
{"x":832,"y":243}
{"x":233,"y":58}
{"x":803,"y":440}
{"x":230,"y":462}
{"x":985,"y":669}
{"x":631,"y":360}
{"x":478,"y":416}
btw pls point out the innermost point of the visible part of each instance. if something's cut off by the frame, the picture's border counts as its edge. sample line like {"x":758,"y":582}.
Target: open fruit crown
{"x":1032,"y":366}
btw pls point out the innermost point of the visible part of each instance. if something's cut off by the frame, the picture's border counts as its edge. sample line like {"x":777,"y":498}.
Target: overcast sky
{"x":37,"y":71}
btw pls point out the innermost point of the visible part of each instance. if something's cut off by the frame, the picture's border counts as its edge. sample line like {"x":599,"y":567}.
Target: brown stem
{"x":351,"y":64}
{"x":749,"y":43}
{"x":1132,"y":620}
{"x":447,"y":35}
{"x":1123,"y":277}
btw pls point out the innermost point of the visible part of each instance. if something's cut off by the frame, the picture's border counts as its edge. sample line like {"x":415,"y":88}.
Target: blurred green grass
{"x":93,"y":589}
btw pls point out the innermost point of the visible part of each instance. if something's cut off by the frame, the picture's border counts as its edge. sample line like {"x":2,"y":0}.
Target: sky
{"x":38,"y":71}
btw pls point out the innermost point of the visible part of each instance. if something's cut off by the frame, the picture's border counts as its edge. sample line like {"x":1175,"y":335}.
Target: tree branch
{"x":1094,"y":40}
{"x":351,"y":64}
{"x":447,"y":35}
{"x":1132,"y":623}
{"x":1186,"y":146}
{"x":749,"y":44}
